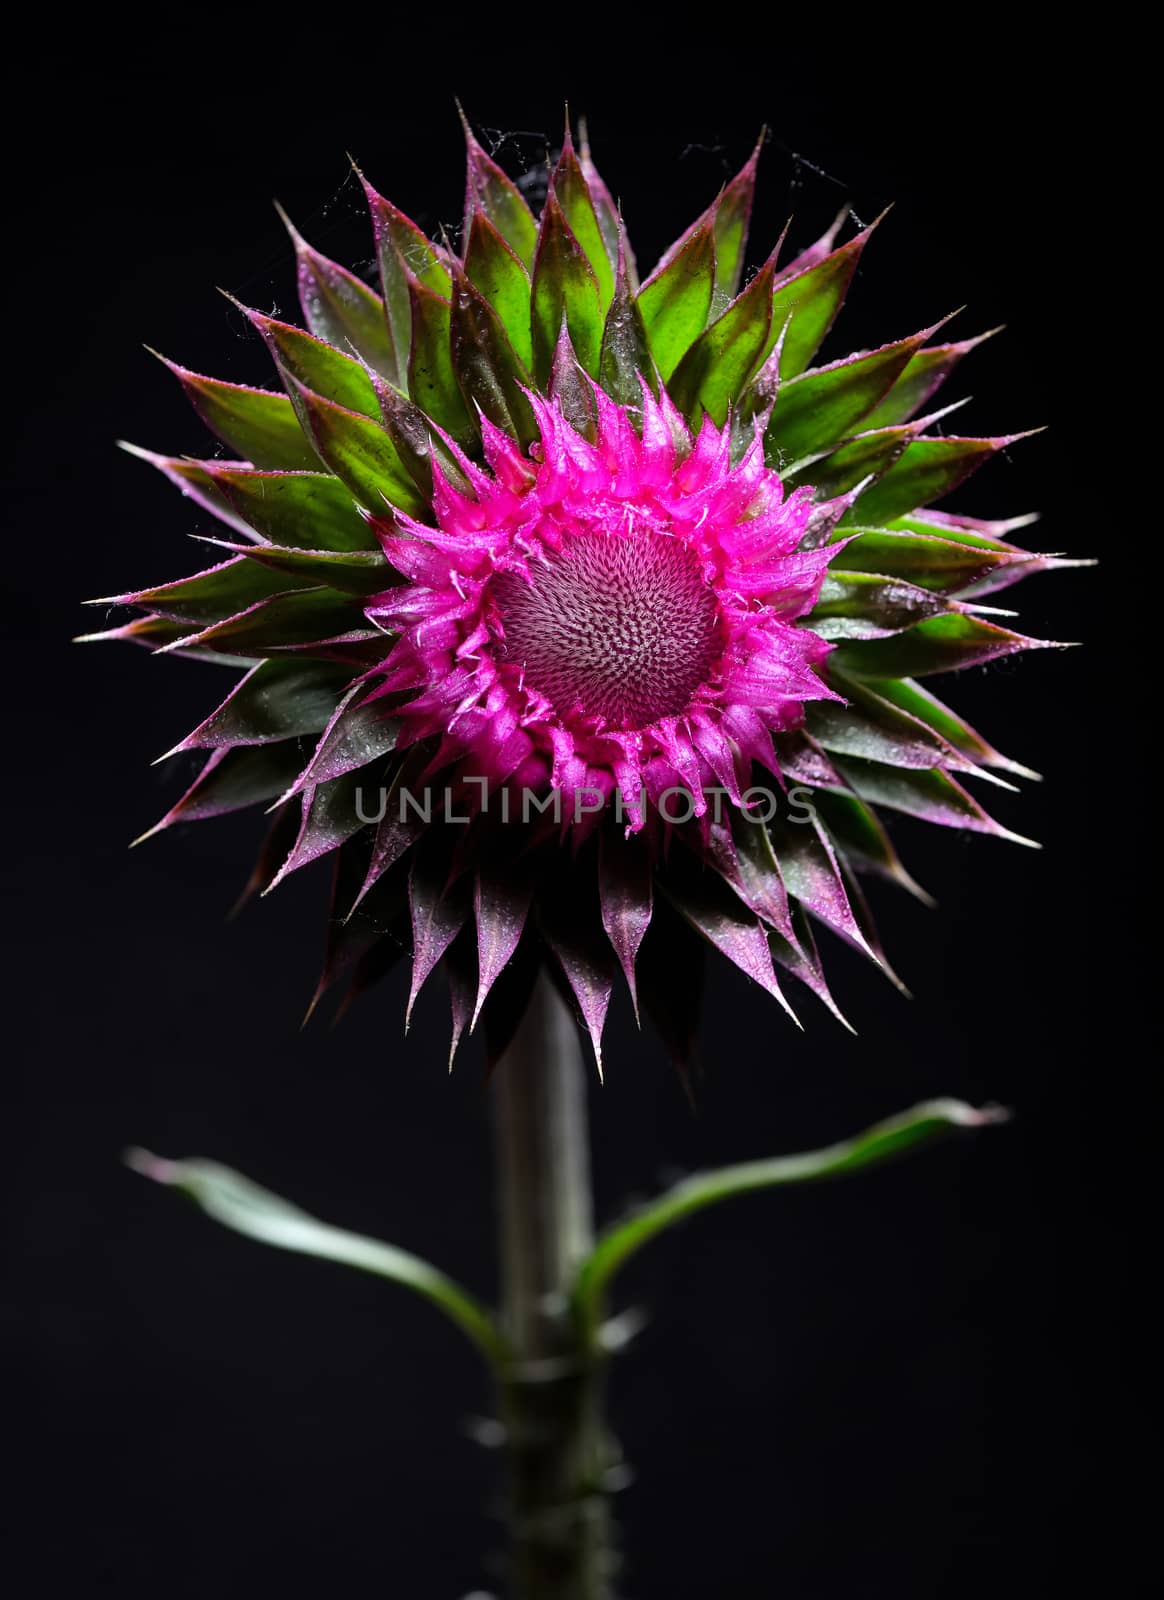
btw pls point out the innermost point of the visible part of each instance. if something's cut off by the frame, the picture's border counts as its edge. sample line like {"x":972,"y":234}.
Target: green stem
{"x":551,"y":1390}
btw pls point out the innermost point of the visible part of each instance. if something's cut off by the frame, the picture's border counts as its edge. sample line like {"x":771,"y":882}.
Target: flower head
{"x":579,"y":618}
{"x":622,"y":618}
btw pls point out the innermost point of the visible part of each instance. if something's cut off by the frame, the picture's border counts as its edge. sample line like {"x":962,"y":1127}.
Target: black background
{"x":912,"y":1384}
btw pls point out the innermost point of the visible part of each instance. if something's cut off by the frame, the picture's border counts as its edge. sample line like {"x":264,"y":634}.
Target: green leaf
{"x":625,"y":350}
{"x":932,"y":796}
{"x":714,"y":371}
{"x":844,"y":468}
{"x":729,"y":217}
{"x":859,"y":836}
{"x":486,"y":365}
{"x":675,"y":300}
{"x":406,"y":258}
{"x":922,"y":378}
{"x":261,"y":426}
{"x":411,"y":432}
{"x":927,"y":708}
{"x":331,"y":815}
{"x":493,"y":268}
{"x":232,"y":780}
{"x":326,"y":371}
{"x":195,"y":480}
{"x":609,"y":221}
{"x":874,"y":728}
{"x":278,"y":699}
{"x":811,"y":300}
{"x":340,"y":308}
{"x":489,"y":189}
{"x":892,"y":1137}
{"x":360,"y":454}
{"x":939,"y":644}
{"x":926,"y":470}
{"x":716,"y":912}
{"x":563,"y":285}
{"x":571,"y":388}
{"x":208,"y":596}
{"x":867,"y":605}
{"x":304,"y":510}
{"x":285,"y":621}
{"x":360,"y":732}
{"x":245,"y":1208}
{"x":932,"y":562}
{"x":819,"y":408}
{"x":361,"y":572}
{"x":432,"y":383}
{"x":572,"y":193}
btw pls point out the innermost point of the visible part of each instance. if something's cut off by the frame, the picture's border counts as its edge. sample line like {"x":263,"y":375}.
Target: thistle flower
{"x":581,"y":617}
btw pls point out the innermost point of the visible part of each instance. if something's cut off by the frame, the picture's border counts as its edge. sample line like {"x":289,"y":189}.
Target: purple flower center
{"x":622,"y":627}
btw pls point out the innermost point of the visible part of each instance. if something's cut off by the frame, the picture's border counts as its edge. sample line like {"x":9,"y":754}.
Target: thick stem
{"x":552,"y":1391}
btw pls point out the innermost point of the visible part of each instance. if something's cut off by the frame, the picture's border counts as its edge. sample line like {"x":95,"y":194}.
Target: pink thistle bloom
{"x":621,"y":614}
{"x":526,"y":526}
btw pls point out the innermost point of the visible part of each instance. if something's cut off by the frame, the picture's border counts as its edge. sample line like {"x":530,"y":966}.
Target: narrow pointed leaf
{"x":411,"y":434}
{"x":573,"y":195}
{"x":927,"y":708}
{"x":706,"y":902}
{"x":926,"y":470}
{"x":921,"y":380}
{"x":303,"y":619}
{"x":867,"y":605}
{"x":359,"y":572}
{"x":245,"y":1208}
{"x":501,"y":904}
{"x":675,"y":300}
{"x":359,"y":732}
{"x":432,"y":383}
{"x":489,"y":189}
{"x":933,"y":796}
{"x":339,"y":307}
{"x":486,"y":364}
{"x":885,"y":1139}
{"x":195,"y":480}
{"x":492,"y":267}
{"x":940,"y":644}
{"x":572,"y":390}
{"x":231,"y":780}
{"x":360,"y":454}
{"x":439,"y":910}
{"x":321,"y":368}
{"x":260,"y":425}
{"x":624,"y":887}
{"x":305,"y":510}
{"x":811,"y":300}
{"x":859,"y":836}
{"x":563,"y":284}
{"x":729,"y":217}
{"x":276,"y":700}
{"x":811,"y":875}
{"x":574,"y":934}
{"x":875,"y":729}
{"x":821,"y":407}
{"x":609,"y":221}
{"x":842,"y":469}
{"x":406,"y":258}
{"x":625,"y":351}
{"x":213,"y":595}
{"x":330,"y":816}
{"x":712,"y":374}
{"x":943,"y":564}
{"x":759,"y":870}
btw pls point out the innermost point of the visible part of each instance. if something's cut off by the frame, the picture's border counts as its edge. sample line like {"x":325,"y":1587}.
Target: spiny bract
{"x":579,"y":616}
